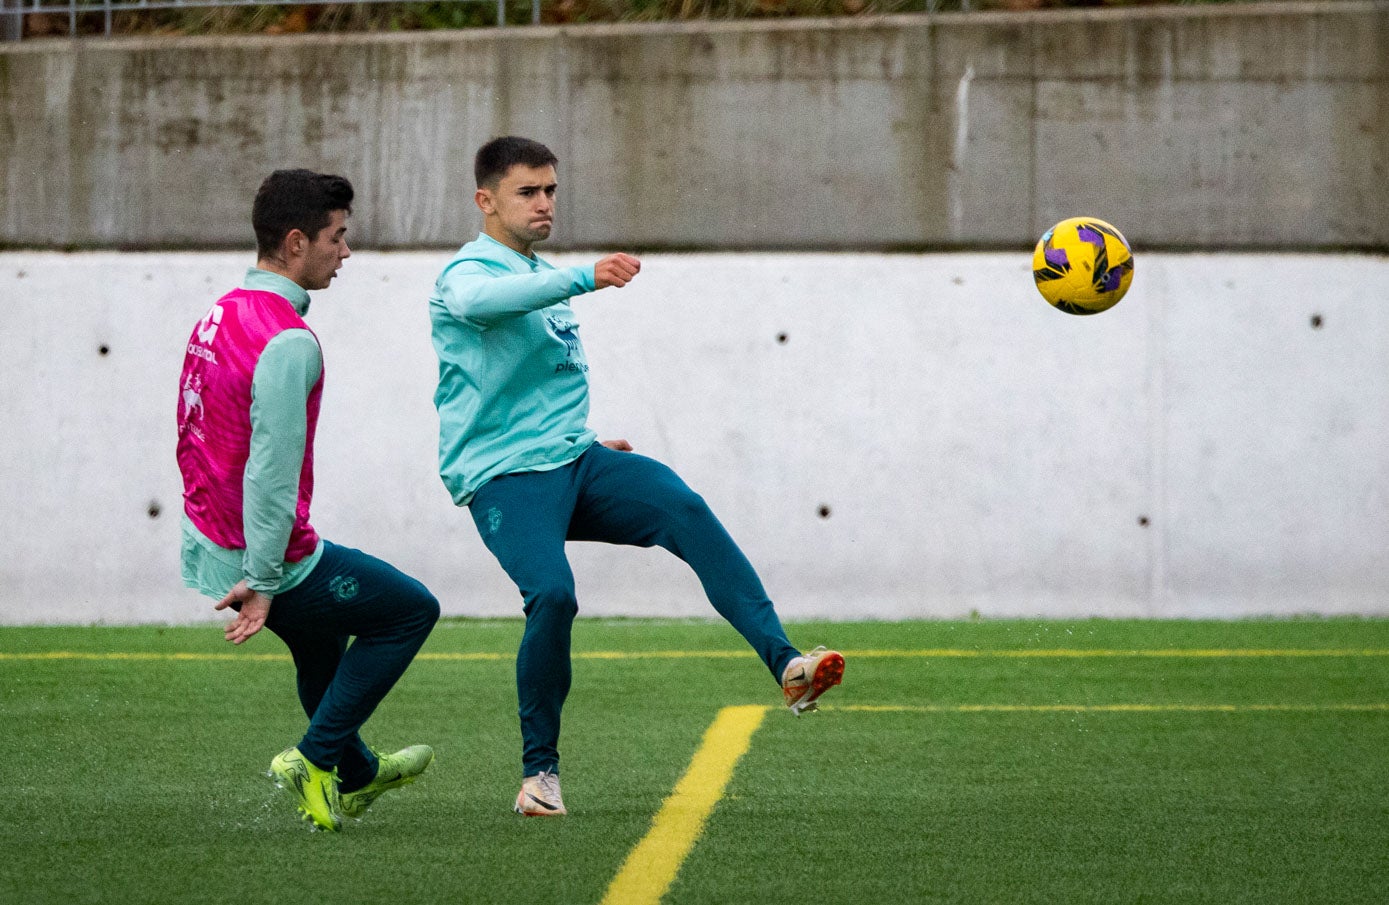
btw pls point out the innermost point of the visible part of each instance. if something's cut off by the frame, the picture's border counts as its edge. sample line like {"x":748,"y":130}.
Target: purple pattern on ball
{"x":1090,"y":236}
{"x":1056,"y":257}
{"x":1110,"y":281}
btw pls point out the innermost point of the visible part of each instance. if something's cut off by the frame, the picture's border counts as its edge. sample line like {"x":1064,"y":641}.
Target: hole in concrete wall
{"x":1316,"y":322}
{"x":154,"y":509}
{"x":823,"y":511}
{"x":781,"y":339}
{"x":1142,"y":521}
{"x":103,"y":349}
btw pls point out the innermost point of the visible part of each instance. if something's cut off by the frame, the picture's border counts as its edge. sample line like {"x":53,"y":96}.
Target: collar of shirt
{"x":533,"y":262}
{"x":265,"y":281}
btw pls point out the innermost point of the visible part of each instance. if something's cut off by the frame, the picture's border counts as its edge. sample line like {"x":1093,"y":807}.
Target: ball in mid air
{"x":1083,"y":265}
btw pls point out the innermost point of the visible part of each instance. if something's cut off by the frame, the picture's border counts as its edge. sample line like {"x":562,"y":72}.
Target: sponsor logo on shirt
{"x":207,"y":332}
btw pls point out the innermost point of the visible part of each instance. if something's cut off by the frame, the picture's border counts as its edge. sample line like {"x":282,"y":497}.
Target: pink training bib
{"x":214,"y":417}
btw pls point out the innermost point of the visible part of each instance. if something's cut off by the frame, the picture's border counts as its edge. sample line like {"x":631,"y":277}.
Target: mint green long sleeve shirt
{"x":288,"y":367}
{"x":513,"y":380}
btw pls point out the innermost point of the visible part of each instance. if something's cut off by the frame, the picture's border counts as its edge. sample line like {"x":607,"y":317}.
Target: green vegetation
{"x":961,"y":762}
{"x":411,"y":16}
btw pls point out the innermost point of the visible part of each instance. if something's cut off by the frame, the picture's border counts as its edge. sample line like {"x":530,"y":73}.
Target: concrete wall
{"x":1214,"y":446}
{"x":1237,"y":127}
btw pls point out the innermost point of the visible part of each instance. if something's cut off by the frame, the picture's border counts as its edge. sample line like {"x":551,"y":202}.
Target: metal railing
{"x":12,"y":12}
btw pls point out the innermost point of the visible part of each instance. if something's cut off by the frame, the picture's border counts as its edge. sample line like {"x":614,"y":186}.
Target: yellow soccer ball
{"x":1083,"y":266}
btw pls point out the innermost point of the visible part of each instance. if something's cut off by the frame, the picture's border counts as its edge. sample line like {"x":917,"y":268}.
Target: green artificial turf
{"x":141,"y":778}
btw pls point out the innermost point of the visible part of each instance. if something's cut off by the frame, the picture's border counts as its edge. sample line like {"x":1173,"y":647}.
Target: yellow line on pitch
{"x":1113,"y":708}
{"x":937,"y":653}
{"x":651,"y":866}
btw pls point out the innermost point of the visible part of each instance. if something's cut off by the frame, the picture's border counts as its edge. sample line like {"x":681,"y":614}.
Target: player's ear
{"x":484,"y":201}
{"x":295,"y":243}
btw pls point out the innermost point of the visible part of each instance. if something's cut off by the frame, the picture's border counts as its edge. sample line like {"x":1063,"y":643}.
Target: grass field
{"x":1090,"y":761}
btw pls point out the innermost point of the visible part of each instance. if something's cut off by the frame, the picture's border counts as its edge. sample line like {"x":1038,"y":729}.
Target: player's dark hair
{"x":296,"y":199}
{"x":499,"y":155}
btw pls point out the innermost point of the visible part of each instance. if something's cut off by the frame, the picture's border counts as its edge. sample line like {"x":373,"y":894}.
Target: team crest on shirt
{"x":344,"y":587}
{"x":192,"y":405}
{"x":193,"y":396}
{"x":566,"y":332}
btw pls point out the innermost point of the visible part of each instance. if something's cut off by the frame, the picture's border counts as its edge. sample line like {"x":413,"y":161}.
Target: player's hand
{"x":619,"y":445}
{"x":615,"y":270}
{"x":255,"y":606}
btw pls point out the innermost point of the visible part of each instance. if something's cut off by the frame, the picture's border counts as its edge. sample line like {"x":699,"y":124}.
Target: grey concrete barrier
{"x":1241,"y":127}
{"x":11,"y":25}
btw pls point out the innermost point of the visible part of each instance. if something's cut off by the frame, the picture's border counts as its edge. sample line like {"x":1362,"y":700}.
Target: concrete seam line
{"x":653,"y":863}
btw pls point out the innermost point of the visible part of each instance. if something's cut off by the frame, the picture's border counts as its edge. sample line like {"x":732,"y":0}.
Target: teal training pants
{"x":349,"y":594}
{"x":616,"y":498}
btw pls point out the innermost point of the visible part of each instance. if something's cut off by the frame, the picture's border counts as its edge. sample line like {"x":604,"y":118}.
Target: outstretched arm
{"x":471,"y":293}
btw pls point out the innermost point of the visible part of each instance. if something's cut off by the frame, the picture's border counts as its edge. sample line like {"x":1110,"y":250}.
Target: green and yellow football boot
{"x":315,"y":790}
{"x":393,"y":771}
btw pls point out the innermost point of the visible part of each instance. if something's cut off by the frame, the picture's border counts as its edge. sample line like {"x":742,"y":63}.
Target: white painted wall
{"x":976,"y":450}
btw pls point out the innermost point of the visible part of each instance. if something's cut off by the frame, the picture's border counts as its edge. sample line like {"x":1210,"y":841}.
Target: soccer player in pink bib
{"x":249,"y":399}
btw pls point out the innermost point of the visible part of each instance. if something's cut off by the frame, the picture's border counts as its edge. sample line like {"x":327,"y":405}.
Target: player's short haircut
{"x":296,"y":199}
{"x":499,"y":155}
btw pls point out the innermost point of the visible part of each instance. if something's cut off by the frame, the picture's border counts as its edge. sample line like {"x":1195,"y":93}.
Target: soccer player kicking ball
{"x":249,"y":400}
{"x":515,"y":447}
